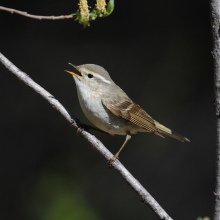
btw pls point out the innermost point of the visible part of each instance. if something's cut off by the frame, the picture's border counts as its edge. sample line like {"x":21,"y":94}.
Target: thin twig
{"x":39,"y":17}
{"x":215,"y":14}
{"x":96,"y":144}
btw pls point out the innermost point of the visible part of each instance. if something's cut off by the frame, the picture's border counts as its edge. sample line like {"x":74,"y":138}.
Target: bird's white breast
{"x":98,"y":115}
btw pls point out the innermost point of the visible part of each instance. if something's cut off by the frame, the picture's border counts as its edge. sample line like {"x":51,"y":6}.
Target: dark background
{"x":159,"y":52}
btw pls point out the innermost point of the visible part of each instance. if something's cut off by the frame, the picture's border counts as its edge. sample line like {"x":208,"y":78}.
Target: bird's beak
{"x":72,"y":73}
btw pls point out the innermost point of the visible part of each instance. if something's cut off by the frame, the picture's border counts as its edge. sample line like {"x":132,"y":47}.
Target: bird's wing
{"x":127,"y":109}
{"x":121,"y":106}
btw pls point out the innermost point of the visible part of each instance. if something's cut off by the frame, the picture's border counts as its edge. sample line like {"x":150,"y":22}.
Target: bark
{"x":214,"y":10}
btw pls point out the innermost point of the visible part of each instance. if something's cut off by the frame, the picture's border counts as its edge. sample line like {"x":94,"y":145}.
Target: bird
{"x":110,"y":109}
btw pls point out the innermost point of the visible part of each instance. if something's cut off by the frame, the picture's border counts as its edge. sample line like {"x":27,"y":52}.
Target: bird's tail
{"x":167,"y":131}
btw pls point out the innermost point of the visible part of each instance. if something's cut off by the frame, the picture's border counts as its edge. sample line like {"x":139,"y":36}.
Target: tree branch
{"x":96,"y":144}
{"x":214,"y":10}
{"x":39,"y":17}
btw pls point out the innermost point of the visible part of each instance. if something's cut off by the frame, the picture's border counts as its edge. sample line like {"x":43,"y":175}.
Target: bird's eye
{"x":90,"y":75}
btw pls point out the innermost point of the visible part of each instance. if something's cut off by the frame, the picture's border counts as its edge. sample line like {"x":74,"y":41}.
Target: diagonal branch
{"x":96,"y":144}
{"x":39,"y":17}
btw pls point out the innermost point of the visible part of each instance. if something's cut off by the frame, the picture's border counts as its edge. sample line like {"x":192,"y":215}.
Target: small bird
{"x":108,"y":107}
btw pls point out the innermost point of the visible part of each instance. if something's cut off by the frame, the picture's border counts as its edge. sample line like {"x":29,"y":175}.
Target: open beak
{"x":72,"y":73}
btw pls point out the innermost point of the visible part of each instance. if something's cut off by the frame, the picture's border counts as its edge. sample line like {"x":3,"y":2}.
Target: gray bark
{"x":214,"y":10}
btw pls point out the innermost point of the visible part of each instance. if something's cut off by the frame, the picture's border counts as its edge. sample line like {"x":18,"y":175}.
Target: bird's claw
{"x":84,"y":127}
{"x":78,"y":130}
{"x":112,"y":160}
{"x":81,"y":128}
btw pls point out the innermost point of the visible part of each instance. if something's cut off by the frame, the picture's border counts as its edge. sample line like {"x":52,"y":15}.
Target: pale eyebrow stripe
{"x":103,"y":79}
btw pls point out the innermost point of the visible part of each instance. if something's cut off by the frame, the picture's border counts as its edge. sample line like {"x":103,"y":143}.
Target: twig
{"x":214,"y":10}
{"x":39,"y":17}
{"x":96,"y":144}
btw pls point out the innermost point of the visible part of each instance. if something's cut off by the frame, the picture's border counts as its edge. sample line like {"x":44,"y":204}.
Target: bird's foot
{"x":113,"y":159}
{"x":82,"y":127}
{"x":79,"y":130}
{"x":85,"y":127}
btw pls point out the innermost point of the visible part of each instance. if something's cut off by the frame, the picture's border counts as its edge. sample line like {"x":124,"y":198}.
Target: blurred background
{"x":159,"y":52}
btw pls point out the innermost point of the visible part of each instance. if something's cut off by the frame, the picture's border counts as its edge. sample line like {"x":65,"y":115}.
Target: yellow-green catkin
{"x":100,"y":5}
{"x":84,"y":9}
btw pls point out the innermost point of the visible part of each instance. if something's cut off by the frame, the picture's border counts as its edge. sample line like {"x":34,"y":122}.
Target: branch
{"x":39,"y":17}
{"x":214,"y":10}
{"x":96,"y":144}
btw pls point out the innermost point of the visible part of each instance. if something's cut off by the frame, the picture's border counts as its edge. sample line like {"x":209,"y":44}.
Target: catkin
{"x":84,"y":8}
{"x":100,"y":5}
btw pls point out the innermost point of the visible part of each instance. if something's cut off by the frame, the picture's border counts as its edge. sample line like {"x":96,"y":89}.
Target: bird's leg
{"x":113,"y":159}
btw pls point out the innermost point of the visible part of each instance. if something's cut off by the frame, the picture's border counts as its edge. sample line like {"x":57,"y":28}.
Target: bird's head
{"x":91,"y":76}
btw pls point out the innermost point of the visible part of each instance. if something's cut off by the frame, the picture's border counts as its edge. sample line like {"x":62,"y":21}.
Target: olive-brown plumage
{"x":109,"y":108}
